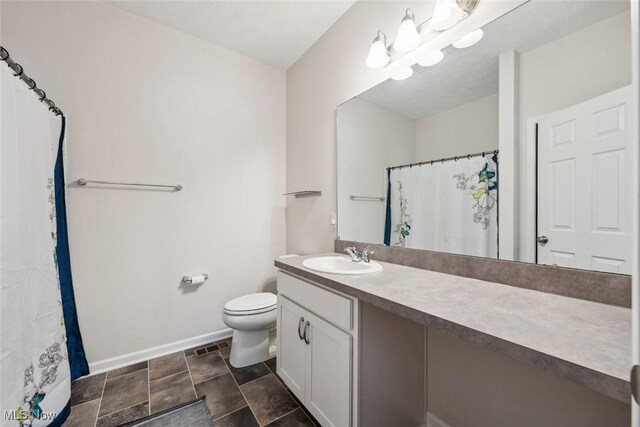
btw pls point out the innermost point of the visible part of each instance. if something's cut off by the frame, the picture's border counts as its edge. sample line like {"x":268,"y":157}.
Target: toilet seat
{"x":251,"y":304}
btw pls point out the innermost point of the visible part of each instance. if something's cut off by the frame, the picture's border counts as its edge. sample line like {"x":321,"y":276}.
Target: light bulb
{"x":402,"y":73}
{"x":378,"y":54}
{"x":469,"y":39}
{"x":432,"y":57}
{"x":408,"y":38}
{"x":446,"y":14}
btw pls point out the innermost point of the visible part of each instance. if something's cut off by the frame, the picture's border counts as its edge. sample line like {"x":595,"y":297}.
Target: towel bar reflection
{"x":83,"y":182}
{"x":367,"y":198}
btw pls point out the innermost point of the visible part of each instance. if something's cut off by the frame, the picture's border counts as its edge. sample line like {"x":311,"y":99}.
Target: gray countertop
{"x":583,"y":341}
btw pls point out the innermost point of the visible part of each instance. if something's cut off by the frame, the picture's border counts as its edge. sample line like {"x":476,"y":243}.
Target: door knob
{"x":635,"y":382}
{"x":543,"y":240}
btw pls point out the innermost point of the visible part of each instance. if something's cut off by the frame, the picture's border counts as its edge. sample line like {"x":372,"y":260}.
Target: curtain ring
{"x":442,"y":160}
{"x":468,"y":156}
{"x":431,"y":162}
{"x":18,"y":74}
{"x":6,"y":56}
{"x":52,"y":107}
{"x":495,"y":152}
{"x":483,"y":154}
{"x":32,"y":85}
{"x":43,"y":96}
{"x":455,"y":158}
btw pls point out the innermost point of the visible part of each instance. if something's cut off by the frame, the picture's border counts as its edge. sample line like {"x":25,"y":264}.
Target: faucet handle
{"x":353,"y":252}
{"x":366,"y":254}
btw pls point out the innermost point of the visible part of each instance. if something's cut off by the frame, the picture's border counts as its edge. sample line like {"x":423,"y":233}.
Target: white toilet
{"x":253,"y":319}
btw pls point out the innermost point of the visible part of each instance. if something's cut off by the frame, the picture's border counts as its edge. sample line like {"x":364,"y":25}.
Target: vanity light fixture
{"x":468,"y":39}
{"x":408,"y":38}
{"x":378,"y":54}
{"x":432,"y":57}
{"x":402,"y":73}
{"x":446,"y":14}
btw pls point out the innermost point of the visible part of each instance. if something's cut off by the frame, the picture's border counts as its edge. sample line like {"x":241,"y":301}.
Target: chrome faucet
{"x":357,"y":256}
{"x":353,"y":252}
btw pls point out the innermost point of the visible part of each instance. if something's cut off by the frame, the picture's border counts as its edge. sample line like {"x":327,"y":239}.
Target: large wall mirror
{"x":514,"y":148}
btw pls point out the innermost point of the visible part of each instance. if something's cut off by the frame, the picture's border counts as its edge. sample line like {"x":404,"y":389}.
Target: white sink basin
{"x":341,"y":265}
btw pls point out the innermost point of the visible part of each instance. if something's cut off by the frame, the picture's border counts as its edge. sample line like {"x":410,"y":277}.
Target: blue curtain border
{"x":60,"y":419}
{"x":387,"y":222}
{"x":75,"y":348}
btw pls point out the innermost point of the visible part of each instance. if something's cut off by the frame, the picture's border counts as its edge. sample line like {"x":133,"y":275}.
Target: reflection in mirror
{"x":514,"y":148}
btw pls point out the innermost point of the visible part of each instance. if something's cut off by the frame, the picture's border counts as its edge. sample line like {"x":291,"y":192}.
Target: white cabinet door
{"x":292,"y":350}
{"x":328,"y":383}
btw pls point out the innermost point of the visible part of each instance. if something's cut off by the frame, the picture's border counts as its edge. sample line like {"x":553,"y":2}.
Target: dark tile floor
{"x":245,"y":397}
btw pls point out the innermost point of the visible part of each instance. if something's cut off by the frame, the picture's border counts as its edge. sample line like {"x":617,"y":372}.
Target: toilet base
{"x":250,"y":347}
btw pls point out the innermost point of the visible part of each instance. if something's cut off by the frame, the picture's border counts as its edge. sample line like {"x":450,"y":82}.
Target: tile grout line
{"x":124,"y":409}
{"x":232,"y":412}
{"x":295,"y":399}
{"x":284,"y":415}
{"x":101,"y":397}
{"x":193,"y":386}
{"x":241,"y":392}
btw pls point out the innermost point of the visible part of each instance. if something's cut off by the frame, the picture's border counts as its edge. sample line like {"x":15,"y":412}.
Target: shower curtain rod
{"x":19,"y":72}
{"x":445,"y":159}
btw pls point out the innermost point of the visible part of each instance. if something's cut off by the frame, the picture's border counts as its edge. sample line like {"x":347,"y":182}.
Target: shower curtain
{"x":446,"y":206}
{"x":35,"y":373}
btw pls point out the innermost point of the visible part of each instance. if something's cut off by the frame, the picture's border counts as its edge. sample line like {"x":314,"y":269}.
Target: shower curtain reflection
{"x":445,"y":206}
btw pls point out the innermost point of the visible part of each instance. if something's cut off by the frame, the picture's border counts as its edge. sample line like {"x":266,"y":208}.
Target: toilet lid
{"x":252,"y":302}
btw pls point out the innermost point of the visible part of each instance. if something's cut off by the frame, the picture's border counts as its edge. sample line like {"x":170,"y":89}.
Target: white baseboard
{"x":153,"y":352}
{"x":433,"y":421}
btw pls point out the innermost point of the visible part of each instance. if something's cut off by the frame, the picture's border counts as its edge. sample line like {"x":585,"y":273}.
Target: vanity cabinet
{"x":316,"y":348}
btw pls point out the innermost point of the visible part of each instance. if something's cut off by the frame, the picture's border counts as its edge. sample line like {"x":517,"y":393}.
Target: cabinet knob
{"x":300,"y":322}
{"x":306,"y":326}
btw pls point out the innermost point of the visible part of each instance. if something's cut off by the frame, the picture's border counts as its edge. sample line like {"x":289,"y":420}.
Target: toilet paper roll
{"x":198,"y":280}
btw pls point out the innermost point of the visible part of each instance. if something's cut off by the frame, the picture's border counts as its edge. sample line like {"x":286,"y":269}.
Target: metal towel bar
{"x":83,"y":182}
{"x":367,"y":198}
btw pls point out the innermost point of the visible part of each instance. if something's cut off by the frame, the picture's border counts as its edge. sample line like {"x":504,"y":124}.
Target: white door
{"x":291,"y":362}
{"x":584,"y":166}
{"x":328,"y":394}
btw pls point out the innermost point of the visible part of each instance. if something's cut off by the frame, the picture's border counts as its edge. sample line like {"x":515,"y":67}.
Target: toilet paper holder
{"x":188,"y":280}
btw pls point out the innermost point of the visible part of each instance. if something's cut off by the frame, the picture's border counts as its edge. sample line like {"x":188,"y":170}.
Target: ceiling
{"x":277,"y":33}
{"x":465,"y":75}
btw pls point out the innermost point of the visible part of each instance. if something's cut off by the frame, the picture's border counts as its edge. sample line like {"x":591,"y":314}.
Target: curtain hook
{"x":32,"y":85}
{"x":455,"y":158}
{"x":442,"y":160}
{"x":483,"y":154}
{"x":431,"y":162}
{"x":18,"y":74}
{"x":495,"y":152}
{"x":43,"y":96}
{"x":469,"y":156}
{"x":6,"y":54}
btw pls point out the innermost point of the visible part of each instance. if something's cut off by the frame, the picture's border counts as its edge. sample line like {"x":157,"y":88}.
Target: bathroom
{"x":268,"y":213}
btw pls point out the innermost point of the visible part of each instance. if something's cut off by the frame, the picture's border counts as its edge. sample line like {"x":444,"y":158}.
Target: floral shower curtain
{"x":445,"y":206}
{"x":34,"y":363}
